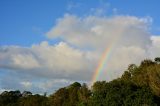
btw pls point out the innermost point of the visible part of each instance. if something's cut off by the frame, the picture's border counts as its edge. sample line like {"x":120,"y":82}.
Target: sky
{"x":48,"y":44}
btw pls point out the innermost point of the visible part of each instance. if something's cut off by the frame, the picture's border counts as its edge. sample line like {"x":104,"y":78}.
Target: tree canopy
{"x":138,"y":86}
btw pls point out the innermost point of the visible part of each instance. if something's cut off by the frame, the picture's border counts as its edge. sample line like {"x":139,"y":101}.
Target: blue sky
{"x":45,"y":44}
{"x":24,"y":22}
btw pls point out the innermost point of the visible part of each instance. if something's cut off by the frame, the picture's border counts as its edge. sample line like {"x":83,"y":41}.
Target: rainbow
{"x":104,"y":58}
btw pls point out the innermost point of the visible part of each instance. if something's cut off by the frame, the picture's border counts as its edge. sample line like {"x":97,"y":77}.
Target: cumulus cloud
{"x":57,"y":61}
{"x":84,"y":40}
{"x":155,"y":48}
{"x":26,"y":84}
{"x":23,"y":82}
{"x":99,"y":32}
{"x":127,"y":37}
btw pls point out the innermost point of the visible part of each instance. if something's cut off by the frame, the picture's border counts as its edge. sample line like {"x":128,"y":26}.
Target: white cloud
{"x":26,"y":84}
{"x":154,"y":50}
{"x":83,"y":41}
{"x":25,"y":61}
{"x":128,"y":38}
{"x":58,"y":61}
{"x":121,"y":57}
{"x":53,"y":84}
{"x":102,"y":31}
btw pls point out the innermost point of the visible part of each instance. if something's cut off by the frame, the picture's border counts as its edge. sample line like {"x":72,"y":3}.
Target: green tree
{"x":157,"y":60}
{"x":34,"y":100}
{"x":154,"y":78}
{"x":84,"y":93}
{"x":126,"y":76}
{"x":73,"y":93}
{"x":146,"y":62}
{"x":9,"y":98}
{"x":99,"y":91}
{"x":60,"y":98}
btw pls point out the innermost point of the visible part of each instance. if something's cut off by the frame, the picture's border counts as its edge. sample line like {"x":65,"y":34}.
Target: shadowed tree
{"x":154,"y":79}
{"x":157,"y":60}
{"x":84,"y":93}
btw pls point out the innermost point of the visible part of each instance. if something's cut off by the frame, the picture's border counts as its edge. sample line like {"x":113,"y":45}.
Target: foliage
{"x":138,"y":86}
{"x":157,"y":59}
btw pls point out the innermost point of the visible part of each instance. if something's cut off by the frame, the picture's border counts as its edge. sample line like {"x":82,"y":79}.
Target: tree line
{"x":138,"y":86}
